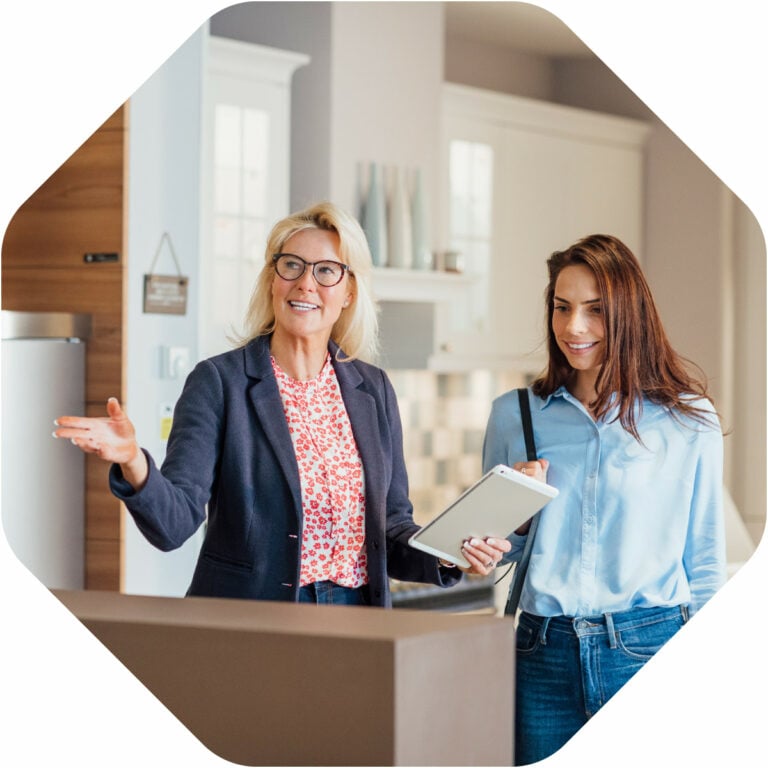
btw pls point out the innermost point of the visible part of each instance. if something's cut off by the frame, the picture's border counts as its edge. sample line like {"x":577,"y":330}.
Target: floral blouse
{"x":332,"y":480}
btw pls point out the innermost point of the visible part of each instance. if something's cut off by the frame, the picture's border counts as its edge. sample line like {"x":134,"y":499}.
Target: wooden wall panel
{"x":103,"y":522}
{"x":66,"y":238}
{"x":117,"y":121}
{"x":102,"y":508}
{"x":102,"y":560}
{"x":79,"y":210}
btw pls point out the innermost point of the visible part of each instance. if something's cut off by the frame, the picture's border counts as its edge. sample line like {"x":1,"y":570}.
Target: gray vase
{"x":400,"y":239}
{"x":422,"y":252}
{"x":375,"y":217}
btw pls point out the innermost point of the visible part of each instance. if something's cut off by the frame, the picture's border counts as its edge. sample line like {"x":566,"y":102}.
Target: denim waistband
{"x":605,"y":623}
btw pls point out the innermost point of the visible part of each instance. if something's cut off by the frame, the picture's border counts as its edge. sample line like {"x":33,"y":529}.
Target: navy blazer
{"x":230,"y":449}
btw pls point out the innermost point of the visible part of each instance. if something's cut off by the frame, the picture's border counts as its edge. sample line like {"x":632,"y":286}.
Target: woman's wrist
{"x":136,"y":469}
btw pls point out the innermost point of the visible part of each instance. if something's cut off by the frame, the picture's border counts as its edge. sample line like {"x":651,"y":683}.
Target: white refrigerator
{"x":43,"y":480}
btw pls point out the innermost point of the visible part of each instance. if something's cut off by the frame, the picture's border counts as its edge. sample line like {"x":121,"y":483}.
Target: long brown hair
{"x":639,"y":359}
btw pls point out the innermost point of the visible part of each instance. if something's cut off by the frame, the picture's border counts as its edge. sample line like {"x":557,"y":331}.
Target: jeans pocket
{"x":642,"y":642}
{"x":526,"y":638}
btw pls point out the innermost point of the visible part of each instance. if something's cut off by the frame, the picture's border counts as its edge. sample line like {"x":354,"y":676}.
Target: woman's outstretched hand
{"x":111,"y":438}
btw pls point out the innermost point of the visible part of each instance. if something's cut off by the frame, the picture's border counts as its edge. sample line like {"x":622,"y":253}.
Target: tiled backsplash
{"x":444,"y":417}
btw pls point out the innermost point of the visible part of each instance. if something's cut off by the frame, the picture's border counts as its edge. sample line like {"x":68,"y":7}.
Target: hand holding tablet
{"x":497,"y":504}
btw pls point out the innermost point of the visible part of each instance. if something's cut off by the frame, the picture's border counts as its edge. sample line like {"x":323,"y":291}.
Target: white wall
{"x":163,"y":196}
{"x":748,"y":457}
{"x":304,"y":27}
{"x":683,"y":254}
{"x":386,"y":74}
{"x":497,"y":68}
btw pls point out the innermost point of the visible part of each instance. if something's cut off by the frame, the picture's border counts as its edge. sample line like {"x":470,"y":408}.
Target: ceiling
{"x":520,"y":26}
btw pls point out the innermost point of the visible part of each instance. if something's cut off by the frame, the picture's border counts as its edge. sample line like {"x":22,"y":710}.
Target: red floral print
{"x":332,"y":479}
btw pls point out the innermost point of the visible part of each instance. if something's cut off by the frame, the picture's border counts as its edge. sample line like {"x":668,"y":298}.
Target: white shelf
{"x":430,"y":286}
{"x":446,"y":361}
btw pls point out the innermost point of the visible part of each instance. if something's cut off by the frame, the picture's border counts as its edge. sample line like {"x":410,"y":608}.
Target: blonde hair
{"x":356,"y":330}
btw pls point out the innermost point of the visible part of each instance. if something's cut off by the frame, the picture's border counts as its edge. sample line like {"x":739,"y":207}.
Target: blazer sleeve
{"x":172,"y":504}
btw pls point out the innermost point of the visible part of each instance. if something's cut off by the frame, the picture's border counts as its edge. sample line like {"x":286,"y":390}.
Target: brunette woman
{"x":634,"y":544}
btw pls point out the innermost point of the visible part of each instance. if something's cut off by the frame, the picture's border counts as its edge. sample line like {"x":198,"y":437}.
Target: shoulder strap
{"x":522,"y":567}
{"x":525,"y":413}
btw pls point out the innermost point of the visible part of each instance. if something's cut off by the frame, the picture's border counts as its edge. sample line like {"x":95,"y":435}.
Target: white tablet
{"x":501,"y":501}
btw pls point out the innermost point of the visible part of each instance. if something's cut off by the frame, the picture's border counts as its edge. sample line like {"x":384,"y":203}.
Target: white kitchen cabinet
{"x":556,"y":174}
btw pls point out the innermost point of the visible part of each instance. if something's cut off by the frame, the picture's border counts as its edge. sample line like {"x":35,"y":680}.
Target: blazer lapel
{"x":362,"y":412}
{"x":268,"y":405}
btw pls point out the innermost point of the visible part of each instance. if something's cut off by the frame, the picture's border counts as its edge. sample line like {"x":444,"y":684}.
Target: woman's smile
{"x":582,"y":345}
{"x":303,"y":306}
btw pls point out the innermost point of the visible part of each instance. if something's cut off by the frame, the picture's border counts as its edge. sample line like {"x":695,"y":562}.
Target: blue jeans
{"x":567,"y":668}
{"x":328,"y":593}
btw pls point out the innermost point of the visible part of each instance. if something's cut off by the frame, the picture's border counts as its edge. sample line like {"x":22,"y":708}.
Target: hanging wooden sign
{"x":165,"y":294}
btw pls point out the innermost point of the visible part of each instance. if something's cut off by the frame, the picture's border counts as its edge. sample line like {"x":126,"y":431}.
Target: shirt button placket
{"x":589,"y":525}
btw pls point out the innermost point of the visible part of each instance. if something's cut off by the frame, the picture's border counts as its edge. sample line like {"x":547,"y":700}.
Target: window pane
{"x":254,"y":240}
{"x":227,"y":190}
{"x":471,"y":185}
{"x":227,"y":129}
{"x":227,"y":159}
{"x":256,"y":153}
{"x":226,"y":238}
{"x":471,"y":221}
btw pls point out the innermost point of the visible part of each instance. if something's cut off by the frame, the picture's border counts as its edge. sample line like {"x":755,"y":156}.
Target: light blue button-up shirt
{"x":634,"y":525}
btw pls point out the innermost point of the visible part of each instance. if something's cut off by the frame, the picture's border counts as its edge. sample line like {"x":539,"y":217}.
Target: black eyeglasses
{"x":326,"y":273}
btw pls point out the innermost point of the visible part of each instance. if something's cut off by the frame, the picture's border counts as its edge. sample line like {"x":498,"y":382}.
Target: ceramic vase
{"x":375,"y":217}
{"x":422,"y":252}
{"x":399,"y":237}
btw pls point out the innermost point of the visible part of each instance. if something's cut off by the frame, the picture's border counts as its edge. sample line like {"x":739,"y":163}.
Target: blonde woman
{"x":292,"y":441}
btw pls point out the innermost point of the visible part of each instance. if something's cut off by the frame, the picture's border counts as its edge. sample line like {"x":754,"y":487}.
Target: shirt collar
{"x":561,"y":391}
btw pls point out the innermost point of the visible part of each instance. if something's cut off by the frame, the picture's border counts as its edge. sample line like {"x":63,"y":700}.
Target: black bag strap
{"x":516,"y":589}
{"x":525,"y":413}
